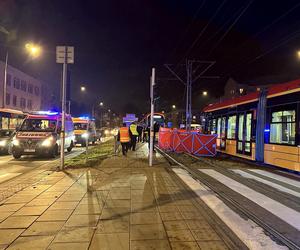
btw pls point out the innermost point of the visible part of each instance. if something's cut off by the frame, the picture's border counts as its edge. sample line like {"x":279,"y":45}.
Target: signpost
{"x":152,"y":83}
{"x":65,"y":56}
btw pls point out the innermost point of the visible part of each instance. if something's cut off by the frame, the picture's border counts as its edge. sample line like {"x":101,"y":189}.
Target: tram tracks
{"x":232,"y":202}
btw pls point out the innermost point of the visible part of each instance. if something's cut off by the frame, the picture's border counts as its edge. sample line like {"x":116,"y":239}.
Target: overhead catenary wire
{"x":202,"y":31}
{"x":264,"y":29}
{"x":279,"y":44}
{"x":231,"y":26}
{"x":187,"y":28}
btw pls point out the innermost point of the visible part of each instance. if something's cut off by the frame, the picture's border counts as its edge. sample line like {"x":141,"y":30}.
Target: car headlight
{"x":48,"y":142}
{"x":15,"y":142}
{"x":3,"y":143}
{"x":85,"y":135}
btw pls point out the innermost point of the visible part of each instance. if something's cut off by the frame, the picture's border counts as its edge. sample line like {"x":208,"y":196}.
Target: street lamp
{"x":82,"y":89}
{"x":101,"y":104}
{"x":173,"y":106}
{"x":204,"y":93}
{"x":34,"y":50}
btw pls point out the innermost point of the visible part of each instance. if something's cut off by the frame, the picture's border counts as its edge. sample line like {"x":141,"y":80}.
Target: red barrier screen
{"x":190,"y":142}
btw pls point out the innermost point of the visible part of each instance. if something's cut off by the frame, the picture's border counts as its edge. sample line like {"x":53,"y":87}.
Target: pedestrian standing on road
{"x":156,"y":127}
{"x":124,"y":135}
{"x":140,"y":131}
{"x":145,"y":134}
{"x":134,"y":135}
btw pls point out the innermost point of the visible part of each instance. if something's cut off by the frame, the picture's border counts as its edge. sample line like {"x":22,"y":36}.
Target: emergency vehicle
{"x":84,"y":130}
{"x":39,"y":134}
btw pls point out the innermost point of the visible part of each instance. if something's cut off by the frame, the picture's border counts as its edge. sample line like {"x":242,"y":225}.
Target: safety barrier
{"x":191,"y":142}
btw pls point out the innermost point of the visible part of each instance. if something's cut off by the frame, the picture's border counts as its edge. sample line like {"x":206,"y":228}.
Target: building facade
{"x":23,"y":91}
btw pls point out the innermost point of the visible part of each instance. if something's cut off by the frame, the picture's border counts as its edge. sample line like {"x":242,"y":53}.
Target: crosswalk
{"x":245,"y":182}
{"x":283,"y":212}
{"x":248,"y":231}
{"x":267,"y":182}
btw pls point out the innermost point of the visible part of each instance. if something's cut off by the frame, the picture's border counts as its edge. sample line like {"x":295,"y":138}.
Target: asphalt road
{"x":10,"y":168}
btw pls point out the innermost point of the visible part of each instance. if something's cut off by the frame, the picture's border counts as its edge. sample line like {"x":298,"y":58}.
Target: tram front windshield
{"x":38,"y":125}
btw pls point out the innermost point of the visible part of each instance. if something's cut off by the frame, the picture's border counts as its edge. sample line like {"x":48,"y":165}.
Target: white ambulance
{"x":39,"y":134}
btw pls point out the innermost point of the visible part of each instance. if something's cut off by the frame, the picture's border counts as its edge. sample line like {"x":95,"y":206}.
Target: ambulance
{"x":84,"y":130}
{"x":39,"y":134}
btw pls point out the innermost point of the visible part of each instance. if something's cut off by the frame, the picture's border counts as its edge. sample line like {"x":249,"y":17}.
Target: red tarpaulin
{"x":190,"y":142}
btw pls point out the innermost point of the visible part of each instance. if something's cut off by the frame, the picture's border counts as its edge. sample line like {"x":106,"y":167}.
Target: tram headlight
{"x":3,"y":143}
{"x":85,"y":135}
{"x":48,"y":142}
{"x":15,"y":142}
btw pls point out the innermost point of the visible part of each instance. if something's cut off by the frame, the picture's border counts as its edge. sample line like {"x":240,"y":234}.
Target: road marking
{"x":249,"y":232}
{"x":277,"y":177}
{"x":285,"y":213}
{"x":269,"y":183}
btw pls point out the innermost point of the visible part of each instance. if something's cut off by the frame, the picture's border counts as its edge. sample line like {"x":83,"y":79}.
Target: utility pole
{"x":5,"y":32}
{"x":64,"y":55}
{"x":152,"y":83}
{"x":190,"y":72}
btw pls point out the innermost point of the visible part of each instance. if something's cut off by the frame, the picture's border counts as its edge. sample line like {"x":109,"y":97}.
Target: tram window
{"x":214,"y":126}
{"x":231,"y":126}
{"x":13,"y":123}
{"x":4,"y":123}
{"x":219,"y":127}
{"x":223,"y":127}
{"x":248,"y":126}
{"x":283,"y":127}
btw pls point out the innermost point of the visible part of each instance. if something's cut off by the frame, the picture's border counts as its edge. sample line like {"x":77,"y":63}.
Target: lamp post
{"x":33,"y":50}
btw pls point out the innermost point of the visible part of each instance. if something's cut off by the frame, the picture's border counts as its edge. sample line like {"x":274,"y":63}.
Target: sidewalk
{"x":121,"y":204}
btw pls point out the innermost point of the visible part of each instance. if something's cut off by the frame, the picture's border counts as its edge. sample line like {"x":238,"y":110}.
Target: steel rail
{"x":270,"y":230}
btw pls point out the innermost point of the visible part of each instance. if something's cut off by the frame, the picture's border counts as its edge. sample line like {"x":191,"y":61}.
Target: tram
{"x":261,"y":126}
{"x":10,"y":120}
{"x":157,"y":117}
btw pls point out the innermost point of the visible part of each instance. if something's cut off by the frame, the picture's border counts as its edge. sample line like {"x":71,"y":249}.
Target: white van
{"x":39,"y":134}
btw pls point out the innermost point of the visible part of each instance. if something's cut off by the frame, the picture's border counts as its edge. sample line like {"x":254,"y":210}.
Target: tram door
{"x":221,"y":130}
{"x":244,"y":133}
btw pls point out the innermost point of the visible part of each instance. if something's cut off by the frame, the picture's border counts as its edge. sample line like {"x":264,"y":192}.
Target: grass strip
{"x":95,"y":155}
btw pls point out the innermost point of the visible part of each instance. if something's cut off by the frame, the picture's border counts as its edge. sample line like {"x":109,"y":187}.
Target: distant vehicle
{"x":5,"y":141}
{"x":84,"y":130}
{"x":157,"y":117}
{"x":10,"y":120}
{"x":39,"y":134}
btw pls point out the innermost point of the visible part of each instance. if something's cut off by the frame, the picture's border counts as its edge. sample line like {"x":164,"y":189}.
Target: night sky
{"x":117,"y":43}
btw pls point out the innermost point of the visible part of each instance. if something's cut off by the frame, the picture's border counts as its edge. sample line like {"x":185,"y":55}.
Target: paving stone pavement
{"x":120,"y":204}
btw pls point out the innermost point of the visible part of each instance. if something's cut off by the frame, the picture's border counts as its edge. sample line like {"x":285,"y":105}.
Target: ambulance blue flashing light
{"x":47,"y":113}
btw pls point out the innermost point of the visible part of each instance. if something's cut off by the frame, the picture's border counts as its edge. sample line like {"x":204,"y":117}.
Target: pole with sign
{"x":152,"y":83}
{"x":64,"y":55}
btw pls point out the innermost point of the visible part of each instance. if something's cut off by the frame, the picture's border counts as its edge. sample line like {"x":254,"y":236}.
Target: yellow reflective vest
{"x":133,"y":129}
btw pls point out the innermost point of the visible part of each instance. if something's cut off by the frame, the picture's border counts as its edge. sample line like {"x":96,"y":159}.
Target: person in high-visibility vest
{"x":134,"y":135}
{"x":124,"y":135}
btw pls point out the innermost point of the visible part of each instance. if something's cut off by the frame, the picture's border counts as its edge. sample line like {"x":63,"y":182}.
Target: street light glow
{"x":204,"y":93}
{"x":101,"y":103}
{"x":82,"y":88}
{"x":174,"y":106}
{"x":34,"y":50}
{"x":298,"y":53}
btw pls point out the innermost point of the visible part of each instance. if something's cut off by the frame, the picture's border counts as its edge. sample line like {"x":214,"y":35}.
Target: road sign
{"x":64,"y":54}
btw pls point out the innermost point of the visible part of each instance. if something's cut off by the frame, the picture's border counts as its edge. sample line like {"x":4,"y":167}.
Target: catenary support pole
{"x":152,"y":82}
